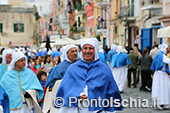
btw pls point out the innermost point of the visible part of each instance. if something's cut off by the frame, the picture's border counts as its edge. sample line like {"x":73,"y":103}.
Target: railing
{"x":127,"y":11}
{"x":101,"y":25}
{"x":101,"y":1}
{"x":150,"y":2}
{"x":80,"y":7}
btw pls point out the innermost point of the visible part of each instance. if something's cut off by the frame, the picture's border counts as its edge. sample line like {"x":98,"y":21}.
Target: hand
{"x":83,"y":97}
{"x":27,"y":95}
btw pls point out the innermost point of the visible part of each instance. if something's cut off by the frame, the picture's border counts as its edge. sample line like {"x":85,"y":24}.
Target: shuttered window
{"x":18,"y":27}
{"x":1,"y":27}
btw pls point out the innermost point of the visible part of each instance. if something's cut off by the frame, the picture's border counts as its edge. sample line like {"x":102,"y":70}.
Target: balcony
{"x":81,"y":9}
{"x":81,"y":29}
{"x":151,"y":4}
{"x":102,"y":3}
{"x":127,"y":13}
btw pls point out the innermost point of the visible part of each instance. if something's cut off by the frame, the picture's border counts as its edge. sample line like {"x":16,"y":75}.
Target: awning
{"x":164,"y":32}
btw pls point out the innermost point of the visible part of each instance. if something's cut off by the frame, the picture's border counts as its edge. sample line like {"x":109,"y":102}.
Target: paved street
{"x":135,"y":93}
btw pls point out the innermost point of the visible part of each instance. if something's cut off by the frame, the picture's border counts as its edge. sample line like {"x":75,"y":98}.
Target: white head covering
{"x":100,"y":47}
{"x":5,"y":52}
{"x":54,"y":49}
{"x":92,"y":41}
{"x":16,"y":49}
{"x":113,"y":47}
{"x":101,"y":51}
{"x":35,"y":51}
{"x":44,"y":49}
{"x":163,"y":47}
{"x":49,"y":52}
{"x":124,"y":51}
{"x":64,"y":51}
{"x":119,"y":49}
{"x":16,"y":56}
{"x":22,"y":50}
{"x":39,"y":50}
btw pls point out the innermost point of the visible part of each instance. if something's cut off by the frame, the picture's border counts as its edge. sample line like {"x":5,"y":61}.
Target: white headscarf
{"x":124,"y":51}
{"x":119,"y":49}
{"x":113,"y":47}
{"x":163,"y":47}
{"x":54,"y":49}
{"x":45,"y":49}
{"x":39,"y":50}
{"x":101,"y":51}
{"x":91,"y":41}
{"x":22,"y":50}
{"x":5,"y":52}
{"x":16,"y":56}
{"x":35,"y":51}
{"x":64,"y":51}
{"x":49,"y":52}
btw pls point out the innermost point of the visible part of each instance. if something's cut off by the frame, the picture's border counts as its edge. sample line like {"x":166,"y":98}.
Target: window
{"x":18,"y":27}
{"x":1,"y":27}
{"x":115,"y":29}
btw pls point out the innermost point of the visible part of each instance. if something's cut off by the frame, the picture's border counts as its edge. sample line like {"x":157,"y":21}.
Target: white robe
{"x":120,"y":76}
{"x":161,"y":86}
{"x":1,"y":109}
{"x":24,"y":109}
{"x":80,"y":109}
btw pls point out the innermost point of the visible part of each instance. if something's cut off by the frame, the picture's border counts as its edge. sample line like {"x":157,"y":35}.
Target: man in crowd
{"x":132,"y":67}
{"x":6,"y":62}
{"x":90,"y":79}
{"x":69,"y":56}
{"x":154,"y":51}
{"x":17,"y":81}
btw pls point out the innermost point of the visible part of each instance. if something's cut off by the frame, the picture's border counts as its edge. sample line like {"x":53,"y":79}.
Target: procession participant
{"x":88,"y":78}
{"x":4,"y":101}
{"x":17,"y":81}
{"x":69,"y":56}
{"x":6,"y":62}
{"x":161,"y":84}
{"x":120,"y":62}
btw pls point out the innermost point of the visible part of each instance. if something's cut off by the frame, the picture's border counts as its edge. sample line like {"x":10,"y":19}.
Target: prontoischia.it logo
{"x":132,"y":103}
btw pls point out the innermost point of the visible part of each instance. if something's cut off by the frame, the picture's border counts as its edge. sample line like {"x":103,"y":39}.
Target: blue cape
{"x":157,"y":63}
{"x":119,"y":60}
{"x":3,"y":70}
{"x":15,"y":83}
{"x":102,"y":57}
{"x":39,"y":54}
{"x":43,"y":53}
{"x":55,"y":53}
{"x":110,"y":54}
{"x":4,"y":100}
{"x":57,"y":73}
{"x":98,"y":78}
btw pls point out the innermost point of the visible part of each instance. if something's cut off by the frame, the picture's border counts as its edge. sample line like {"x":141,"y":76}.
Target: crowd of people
{"x":30,"y":80}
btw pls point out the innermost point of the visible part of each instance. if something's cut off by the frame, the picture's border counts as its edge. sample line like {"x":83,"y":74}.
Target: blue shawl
{"x":98,"y":78}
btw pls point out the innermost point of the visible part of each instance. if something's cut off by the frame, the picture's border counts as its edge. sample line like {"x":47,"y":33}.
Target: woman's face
{"x":39,"y":57}
{"x":37,"y":62}
{"x":43,"y":77}
{"x":48,"y":59}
